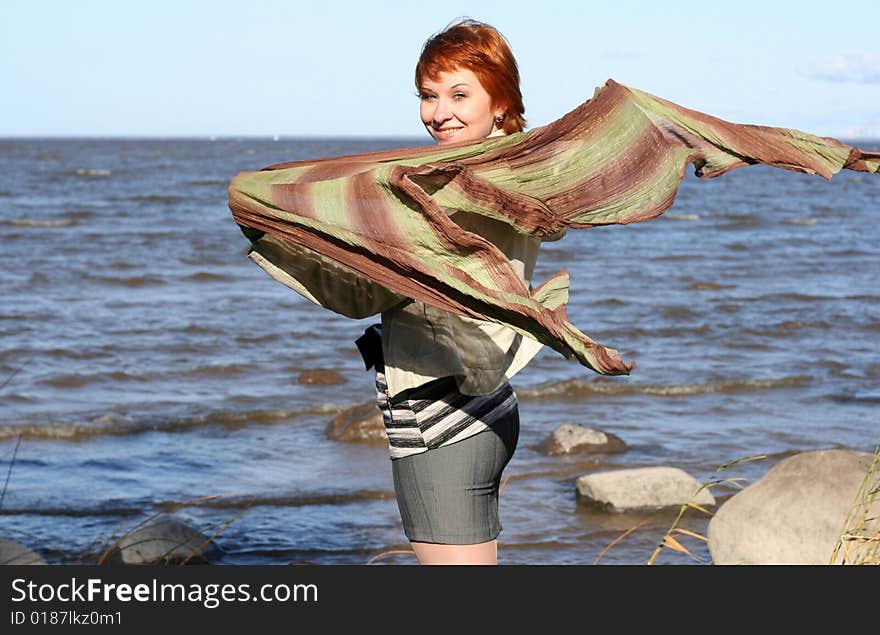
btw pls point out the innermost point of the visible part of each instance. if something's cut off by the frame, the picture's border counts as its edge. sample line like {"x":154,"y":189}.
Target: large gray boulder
{"x":12,"y":552}
{"x":641,"y":488}
{"x":166,"y":541}
{"x":794,"y":514}
{"x":358,"y":424}
{"x":570,"y":438}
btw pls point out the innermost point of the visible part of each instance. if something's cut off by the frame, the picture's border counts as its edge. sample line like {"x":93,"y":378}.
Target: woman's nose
{"x":441,"y":111}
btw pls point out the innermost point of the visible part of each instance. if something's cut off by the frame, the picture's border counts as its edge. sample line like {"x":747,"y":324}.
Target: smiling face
{"x":455,"y":107}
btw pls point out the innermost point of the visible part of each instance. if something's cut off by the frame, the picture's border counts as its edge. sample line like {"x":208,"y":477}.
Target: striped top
{"x":437,"y":415}
{"x":432,"y":414}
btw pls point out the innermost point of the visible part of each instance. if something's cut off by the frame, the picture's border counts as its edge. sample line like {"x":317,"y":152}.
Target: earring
{"x":499,"y":119}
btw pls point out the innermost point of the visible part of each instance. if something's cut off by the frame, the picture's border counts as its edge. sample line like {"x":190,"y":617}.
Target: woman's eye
{"x":425,"y":97}
{"x":459,"y":95}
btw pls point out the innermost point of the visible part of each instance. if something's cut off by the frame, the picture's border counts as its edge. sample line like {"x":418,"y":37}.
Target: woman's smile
{"x":447,"y":132}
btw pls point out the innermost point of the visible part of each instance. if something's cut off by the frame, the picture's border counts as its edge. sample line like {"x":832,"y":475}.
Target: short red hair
{"x":481,"y":49}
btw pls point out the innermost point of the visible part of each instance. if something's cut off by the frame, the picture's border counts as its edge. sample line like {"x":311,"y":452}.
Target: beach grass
{"x":673,"y":538}
{"x":859,"y":540}
{"x":99,"y":551}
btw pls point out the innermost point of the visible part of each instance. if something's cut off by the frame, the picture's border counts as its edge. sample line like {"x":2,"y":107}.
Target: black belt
{"x":370,"y":346}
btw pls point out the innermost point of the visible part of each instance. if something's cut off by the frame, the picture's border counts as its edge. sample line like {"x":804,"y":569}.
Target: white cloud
{"x":860,"y":67}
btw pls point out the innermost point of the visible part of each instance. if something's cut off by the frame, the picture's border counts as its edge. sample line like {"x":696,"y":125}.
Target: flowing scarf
{"x":618,"y":158}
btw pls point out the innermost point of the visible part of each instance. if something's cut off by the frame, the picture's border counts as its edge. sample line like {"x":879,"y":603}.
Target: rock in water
{"x":641,"y":488}
{"x":359,"y":424}
{"x":12,"y":552}
{"x":794,"y":514}
{"x":322,"y":376}
{"x":166,"y":541}
{"x":570,"y":438}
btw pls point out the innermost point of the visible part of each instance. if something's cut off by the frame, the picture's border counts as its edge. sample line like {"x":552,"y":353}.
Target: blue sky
{"x":302,"y":68}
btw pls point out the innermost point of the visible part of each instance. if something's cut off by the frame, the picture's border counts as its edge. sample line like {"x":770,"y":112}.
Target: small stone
{"x":321,"y":376}
{"x":358,"y":424}
{"x":570,"y":438}
{"x":641,"y":488}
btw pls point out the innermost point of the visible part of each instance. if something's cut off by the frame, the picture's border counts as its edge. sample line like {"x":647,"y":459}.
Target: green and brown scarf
{"x":618,"y":158}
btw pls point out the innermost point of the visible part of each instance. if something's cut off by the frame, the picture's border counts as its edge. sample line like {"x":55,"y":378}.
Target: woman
{"x":442,"y":379}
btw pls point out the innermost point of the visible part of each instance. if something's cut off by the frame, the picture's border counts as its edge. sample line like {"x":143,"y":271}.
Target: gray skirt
{"x":449,"y":494}
{"x":448,"y":451}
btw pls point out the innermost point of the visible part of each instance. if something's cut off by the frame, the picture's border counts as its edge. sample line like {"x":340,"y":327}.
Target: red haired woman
{"x":442,"y":379}
{"x":450,"y":414}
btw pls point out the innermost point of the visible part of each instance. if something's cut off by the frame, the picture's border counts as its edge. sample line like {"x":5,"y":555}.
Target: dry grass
{"x":674,"y":536}
{"x":390,"y":552}
{"x":9,"y":471}
{"x":858,"y":542}
{"x":98,"y":551}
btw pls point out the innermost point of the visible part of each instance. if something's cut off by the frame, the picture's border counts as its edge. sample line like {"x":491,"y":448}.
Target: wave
{"x":799,"y":221}
{"x":572,"y":388}
{"x":790,"y":297}
{"x":256,"y":339}
{"x":709,"y":286}
{"x":677,"y":257}
{"x":217,"y":369}
{"x":92,"y":172}
{"x":65,"y":353}
{"x":80,"y":213}
{"x":198,"y":329}
{"x":653,"y":332}
{"x":737,"y":246}
{"x":219,"y":501}
{"x":679,"y":313}
{"x":81,"y":379}
{"x":682,"y":216}
{"x":728,"y":307}
{"x":115,"y":424}
{"x":744,"y":220}
{"x":207,"y":276}
{"x":781,"y":298}
{"x":298,"y":500}
{"x":133,"y":281}
{"x":205,"y":259}
{"x":152,"y":198}
{"x":210,"y":183}
{"x":787,"y":328}
{"x":867,"y":396}
{"x":32,"y":222}
{"x":842,"y":253}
